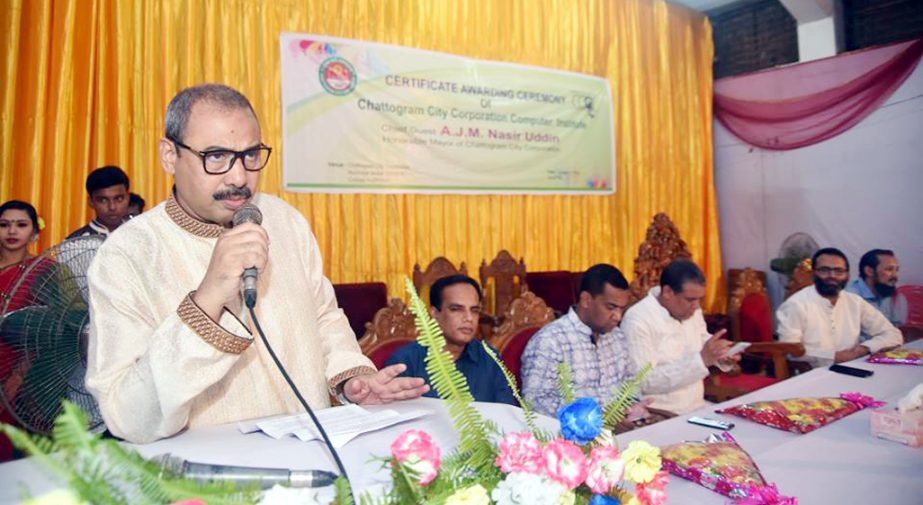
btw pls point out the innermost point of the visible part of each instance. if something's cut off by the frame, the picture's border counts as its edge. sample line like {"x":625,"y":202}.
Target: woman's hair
{"x":24,"y":206}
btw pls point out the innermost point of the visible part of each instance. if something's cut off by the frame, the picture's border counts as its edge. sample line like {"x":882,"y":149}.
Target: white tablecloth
{"x":839,"y":463}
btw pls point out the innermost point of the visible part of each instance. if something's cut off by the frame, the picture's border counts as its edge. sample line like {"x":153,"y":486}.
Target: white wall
{"x":857,"y":191}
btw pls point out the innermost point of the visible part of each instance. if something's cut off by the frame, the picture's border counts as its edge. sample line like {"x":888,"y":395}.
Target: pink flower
{"x":605,"y":469}
{"x":653,"y":492}
{"x":565,"y":463}
{"x":520,"y":452}
{"x":416,"y":450}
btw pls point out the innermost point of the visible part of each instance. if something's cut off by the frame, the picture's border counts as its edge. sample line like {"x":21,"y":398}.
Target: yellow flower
{"x":59,"y":497}
{"x":472,"y":495}
{"x":41,"y":223}
{"x":642,"y":461}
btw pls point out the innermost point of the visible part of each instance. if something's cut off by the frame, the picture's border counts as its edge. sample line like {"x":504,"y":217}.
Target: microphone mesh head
{"x":247,"y":213}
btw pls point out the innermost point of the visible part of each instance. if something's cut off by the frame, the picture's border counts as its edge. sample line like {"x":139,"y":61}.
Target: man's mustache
{"x":225,"y":194}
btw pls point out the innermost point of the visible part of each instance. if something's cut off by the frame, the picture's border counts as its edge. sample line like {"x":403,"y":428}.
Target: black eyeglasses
{"x":831,"y":270}
{"x":220,"y":161}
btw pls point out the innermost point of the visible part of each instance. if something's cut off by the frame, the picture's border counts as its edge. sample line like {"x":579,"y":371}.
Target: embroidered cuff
{"x":335,"y":384}
{"x":209,"y":330}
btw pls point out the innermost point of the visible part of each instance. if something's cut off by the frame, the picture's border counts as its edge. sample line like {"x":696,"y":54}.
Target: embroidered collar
{"x":191,"y":224}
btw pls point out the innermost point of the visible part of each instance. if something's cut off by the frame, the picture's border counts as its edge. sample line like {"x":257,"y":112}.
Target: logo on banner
{"x":337,"y":76}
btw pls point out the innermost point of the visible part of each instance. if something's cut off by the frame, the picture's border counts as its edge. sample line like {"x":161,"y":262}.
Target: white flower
{"x":520,"y":488}
{"x":281,"y":495}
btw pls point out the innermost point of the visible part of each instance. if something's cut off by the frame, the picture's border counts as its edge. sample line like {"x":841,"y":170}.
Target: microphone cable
{"x":291,"y":384}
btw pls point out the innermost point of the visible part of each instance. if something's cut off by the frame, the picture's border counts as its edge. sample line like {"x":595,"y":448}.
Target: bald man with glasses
{"x":829,"y":320}
{"x":170,"y":344}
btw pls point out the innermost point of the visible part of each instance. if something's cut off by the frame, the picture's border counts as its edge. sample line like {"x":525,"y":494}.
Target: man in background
{"x":587,"y":339}
{"x":135,"y":204}
{"x":107,"y":194}
{"x":877,"y":284}
{"x":455,"y":303}
{"x":667,"y":330}
{"x":829,"y":320}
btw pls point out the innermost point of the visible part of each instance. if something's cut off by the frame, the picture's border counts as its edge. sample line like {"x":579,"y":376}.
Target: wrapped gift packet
{"x":719,"y":464}
{"x":802,"y":415}
{"x":898,"y":357}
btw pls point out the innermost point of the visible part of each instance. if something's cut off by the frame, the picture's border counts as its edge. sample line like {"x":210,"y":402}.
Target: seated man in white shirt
{"x":828,"y":320}
{"x":667,"y":330}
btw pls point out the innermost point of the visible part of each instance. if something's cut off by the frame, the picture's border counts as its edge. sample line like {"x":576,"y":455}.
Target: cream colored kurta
{"x":153,"y":375}
{"x":673,"y":348}
{"x":825,"y":328}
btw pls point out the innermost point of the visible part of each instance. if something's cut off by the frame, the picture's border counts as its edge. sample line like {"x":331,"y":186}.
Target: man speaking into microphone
{"x":171,"y":345}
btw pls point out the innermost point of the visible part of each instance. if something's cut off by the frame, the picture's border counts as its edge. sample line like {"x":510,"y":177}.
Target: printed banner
{"x":374,"y":118}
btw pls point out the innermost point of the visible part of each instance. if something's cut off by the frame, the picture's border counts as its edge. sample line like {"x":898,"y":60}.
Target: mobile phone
{"x":711,"y":423}
{"x":736,"y":348}
{"x":848,"y":370}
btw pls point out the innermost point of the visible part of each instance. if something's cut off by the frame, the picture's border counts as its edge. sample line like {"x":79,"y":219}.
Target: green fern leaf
{"x":101,"y":471}
{"x":451,"y":386}
{"x":566,"y":383}
{"x":527,"y":411}
{"x":615,"y":411}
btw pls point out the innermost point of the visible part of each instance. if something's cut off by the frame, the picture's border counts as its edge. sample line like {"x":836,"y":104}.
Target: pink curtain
{"x":811,"y":102}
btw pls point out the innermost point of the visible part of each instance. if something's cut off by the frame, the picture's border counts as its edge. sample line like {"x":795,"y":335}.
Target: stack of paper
{"x":341,"y":423}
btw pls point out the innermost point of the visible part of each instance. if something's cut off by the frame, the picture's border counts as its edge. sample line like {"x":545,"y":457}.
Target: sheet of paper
{"x":341,"y":423}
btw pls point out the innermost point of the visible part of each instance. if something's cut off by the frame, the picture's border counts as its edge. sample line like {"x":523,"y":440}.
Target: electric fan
{"x":43,"y":337}
{"x":795,"y":248}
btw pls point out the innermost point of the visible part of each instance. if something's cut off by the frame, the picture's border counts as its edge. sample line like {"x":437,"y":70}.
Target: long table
{"x":839,"y":463}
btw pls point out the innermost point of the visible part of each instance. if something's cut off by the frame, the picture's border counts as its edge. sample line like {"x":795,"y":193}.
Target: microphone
{"x":243,"y":476}
{"x":248,"y":213}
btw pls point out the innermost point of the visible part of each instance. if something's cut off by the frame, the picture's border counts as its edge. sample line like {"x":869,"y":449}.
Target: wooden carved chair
{"x":555,"y":288}
{"x":801,"y":278}
{"x":502,"y":282}
{"x":391,"y":328}
{"x":749,"y":307}
{"x":437,"y":269}
{"x":360,"y":301}
{"x":765,"y":362}
{"x":524,"y":317}
{"x":661,"y":245}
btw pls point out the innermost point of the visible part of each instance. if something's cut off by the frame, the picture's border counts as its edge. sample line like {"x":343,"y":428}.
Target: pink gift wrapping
{"x":898,"y":357}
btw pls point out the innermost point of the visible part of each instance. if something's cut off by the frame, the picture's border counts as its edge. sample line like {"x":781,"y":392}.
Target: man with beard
{"x":170,"y":344}
{"x":877,"y":284}
{"x":828,"y":320}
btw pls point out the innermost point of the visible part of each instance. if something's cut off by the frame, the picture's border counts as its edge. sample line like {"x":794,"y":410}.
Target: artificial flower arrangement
{"x":582,"y":465}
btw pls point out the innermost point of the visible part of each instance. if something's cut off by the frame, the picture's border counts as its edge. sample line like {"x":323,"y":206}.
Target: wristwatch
{"x":340,"y":395}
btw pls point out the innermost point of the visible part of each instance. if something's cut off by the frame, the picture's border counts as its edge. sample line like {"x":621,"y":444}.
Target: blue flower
{"x":599,"y":499}
{"x":581,"y":421}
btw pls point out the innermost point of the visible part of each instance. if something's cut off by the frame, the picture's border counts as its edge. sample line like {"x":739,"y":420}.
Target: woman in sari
{"x":19,"y":227}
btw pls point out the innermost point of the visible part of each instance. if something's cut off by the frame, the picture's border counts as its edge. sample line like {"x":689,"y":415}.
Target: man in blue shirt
{"x":877,"y":284}
{"x":456,"y":305}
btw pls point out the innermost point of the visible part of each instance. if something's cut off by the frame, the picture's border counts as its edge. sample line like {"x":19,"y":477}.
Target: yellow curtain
{"x":86,"y":83}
